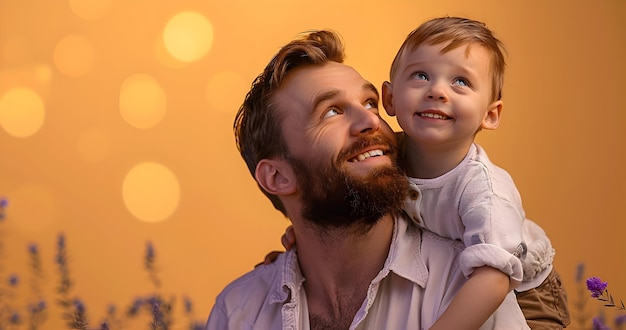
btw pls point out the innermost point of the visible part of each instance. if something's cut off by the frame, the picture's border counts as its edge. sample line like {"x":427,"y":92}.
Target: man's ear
{"x":492,"y":117}
{"x":388,"y":99}
{"x":275,"y":176}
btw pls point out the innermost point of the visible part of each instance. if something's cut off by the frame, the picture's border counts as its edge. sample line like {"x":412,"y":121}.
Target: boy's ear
{"x":275,"y":176}
{"x":388,"y":99}
{"x":492,"y":117}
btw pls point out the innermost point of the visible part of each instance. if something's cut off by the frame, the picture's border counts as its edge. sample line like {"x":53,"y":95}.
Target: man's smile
{"x":367,"y":154}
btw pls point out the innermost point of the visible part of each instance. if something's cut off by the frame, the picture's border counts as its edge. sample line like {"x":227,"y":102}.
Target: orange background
{"x":73,"y":170}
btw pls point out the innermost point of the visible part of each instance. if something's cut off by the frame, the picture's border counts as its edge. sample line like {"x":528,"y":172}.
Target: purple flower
{"x":61,"y":241}
{"x":197,"y":326}
{"x":32,"y":248}
{"x":596,"y":286}
{"x":15,"y":318}
{"x":134,"y":308}
{"x":37,"y":308}
{"x":620,"y":320}
{"x":14,"y":280}
{"x":149,"y":251}
{"x":580,"y":271}
{"x":3,"y":205}
{"x":188,"y":305}
{"x":598,"y":324}
{"x":79,"y":305}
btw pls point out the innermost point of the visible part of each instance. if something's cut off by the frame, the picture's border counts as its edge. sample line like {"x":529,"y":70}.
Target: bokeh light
{"x":151,"y":192}
{"x":188,"y":36}
{"x":74,"y":56}
{"x":226,"y":83}
{"x":43,"y":74}
{"x":93,"y":145}
{"x":90,"y":10}
{"x":22,"y":112}
{"x":142,"y":101}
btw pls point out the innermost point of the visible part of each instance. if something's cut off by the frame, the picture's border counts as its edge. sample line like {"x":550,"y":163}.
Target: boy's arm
{"x":477,"y":299}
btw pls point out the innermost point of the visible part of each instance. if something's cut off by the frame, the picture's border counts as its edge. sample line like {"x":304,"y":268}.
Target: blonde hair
{"x":457,"y":32}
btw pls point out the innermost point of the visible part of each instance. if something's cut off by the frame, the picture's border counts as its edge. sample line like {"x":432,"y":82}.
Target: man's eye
{"x":461,"y":82}
{"x":371,"y":104}
{"x":331,"y":112}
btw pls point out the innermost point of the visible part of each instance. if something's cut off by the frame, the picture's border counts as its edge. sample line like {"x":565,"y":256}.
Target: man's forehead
{"x":313,"y":84}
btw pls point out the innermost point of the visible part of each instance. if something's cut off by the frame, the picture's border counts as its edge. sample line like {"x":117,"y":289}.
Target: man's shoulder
{"x":256,"y":285}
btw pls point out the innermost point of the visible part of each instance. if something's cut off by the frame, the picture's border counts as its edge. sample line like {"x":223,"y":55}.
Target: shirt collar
{"x":404,"y":259}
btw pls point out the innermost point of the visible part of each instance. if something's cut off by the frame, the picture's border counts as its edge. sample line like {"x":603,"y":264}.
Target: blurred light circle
{"x":142,"y":101}
{"x":22,"y":112}
{"x":151,"y":192}
{"x":90,"y":9}
{"x":188,"y":36}
{"x":74,"y":56}
{"x":43,"y":74}
{"x":225,"y":90}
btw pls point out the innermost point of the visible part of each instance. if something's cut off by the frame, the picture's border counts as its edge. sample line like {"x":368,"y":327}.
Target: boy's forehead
{"x":410,"y":53}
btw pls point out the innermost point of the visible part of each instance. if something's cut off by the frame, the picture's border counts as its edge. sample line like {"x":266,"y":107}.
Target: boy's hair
{"x":457,"y":31}
{"x":257,"y":125}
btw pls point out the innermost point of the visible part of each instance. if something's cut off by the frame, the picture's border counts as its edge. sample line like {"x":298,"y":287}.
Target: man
{"x":310,"y":133}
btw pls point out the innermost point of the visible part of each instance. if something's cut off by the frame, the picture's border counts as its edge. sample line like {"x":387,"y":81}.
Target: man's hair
{"x":257,"y":126}
{"x":457,"y":32}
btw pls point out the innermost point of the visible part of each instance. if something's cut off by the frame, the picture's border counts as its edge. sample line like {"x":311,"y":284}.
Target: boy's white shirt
{"x":478,"y":203}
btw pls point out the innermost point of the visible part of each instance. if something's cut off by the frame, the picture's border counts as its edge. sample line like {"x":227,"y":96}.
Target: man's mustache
{"x":379,"y":139}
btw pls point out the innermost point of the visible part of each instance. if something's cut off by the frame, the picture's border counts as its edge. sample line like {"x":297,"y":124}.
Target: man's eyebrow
{"x":325,"y":96}
{"x":372,"y":88}
{"x":333,"y":93}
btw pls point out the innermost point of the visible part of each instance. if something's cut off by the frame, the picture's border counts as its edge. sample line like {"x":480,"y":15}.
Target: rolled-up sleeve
{"x":493,"y":219}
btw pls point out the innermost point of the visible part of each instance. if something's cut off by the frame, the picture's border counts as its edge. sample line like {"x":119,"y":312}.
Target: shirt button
{"x":414,"y":194}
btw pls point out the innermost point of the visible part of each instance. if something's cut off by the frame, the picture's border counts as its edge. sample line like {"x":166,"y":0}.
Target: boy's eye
{"x":461,"y":82}
{"x":420,"y":76}
{"x":331,"y":112}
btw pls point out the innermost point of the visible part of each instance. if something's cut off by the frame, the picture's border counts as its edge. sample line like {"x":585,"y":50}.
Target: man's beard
{"x":333,"y":198}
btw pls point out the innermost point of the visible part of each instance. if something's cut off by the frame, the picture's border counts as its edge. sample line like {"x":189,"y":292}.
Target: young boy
{"x":445,"y":86}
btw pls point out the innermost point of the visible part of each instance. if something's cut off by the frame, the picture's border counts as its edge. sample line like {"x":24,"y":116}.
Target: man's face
{"x":342,"y":152}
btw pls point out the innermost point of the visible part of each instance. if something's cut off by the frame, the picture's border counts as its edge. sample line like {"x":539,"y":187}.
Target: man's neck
{"x":339,"y":266}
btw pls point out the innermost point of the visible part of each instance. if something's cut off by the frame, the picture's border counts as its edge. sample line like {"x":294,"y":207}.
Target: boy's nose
{"x":436,"y":92}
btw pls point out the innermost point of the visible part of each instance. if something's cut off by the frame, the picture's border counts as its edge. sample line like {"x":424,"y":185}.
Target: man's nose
{"x":365,"y":120}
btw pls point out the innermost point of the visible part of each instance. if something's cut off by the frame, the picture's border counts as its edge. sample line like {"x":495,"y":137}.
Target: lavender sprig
{"x":150,"y":265}
{"x":599,"y":291}
{"x":74,"y":311}
{"x":37,"y":307}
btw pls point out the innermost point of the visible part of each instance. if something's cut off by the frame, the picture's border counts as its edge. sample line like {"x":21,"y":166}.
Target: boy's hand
{"x":269,"y":258}
{"x":287,"y":240}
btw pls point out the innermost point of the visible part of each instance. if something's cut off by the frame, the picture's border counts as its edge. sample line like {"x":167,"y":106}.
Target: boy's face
{"x":443,"y":99}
